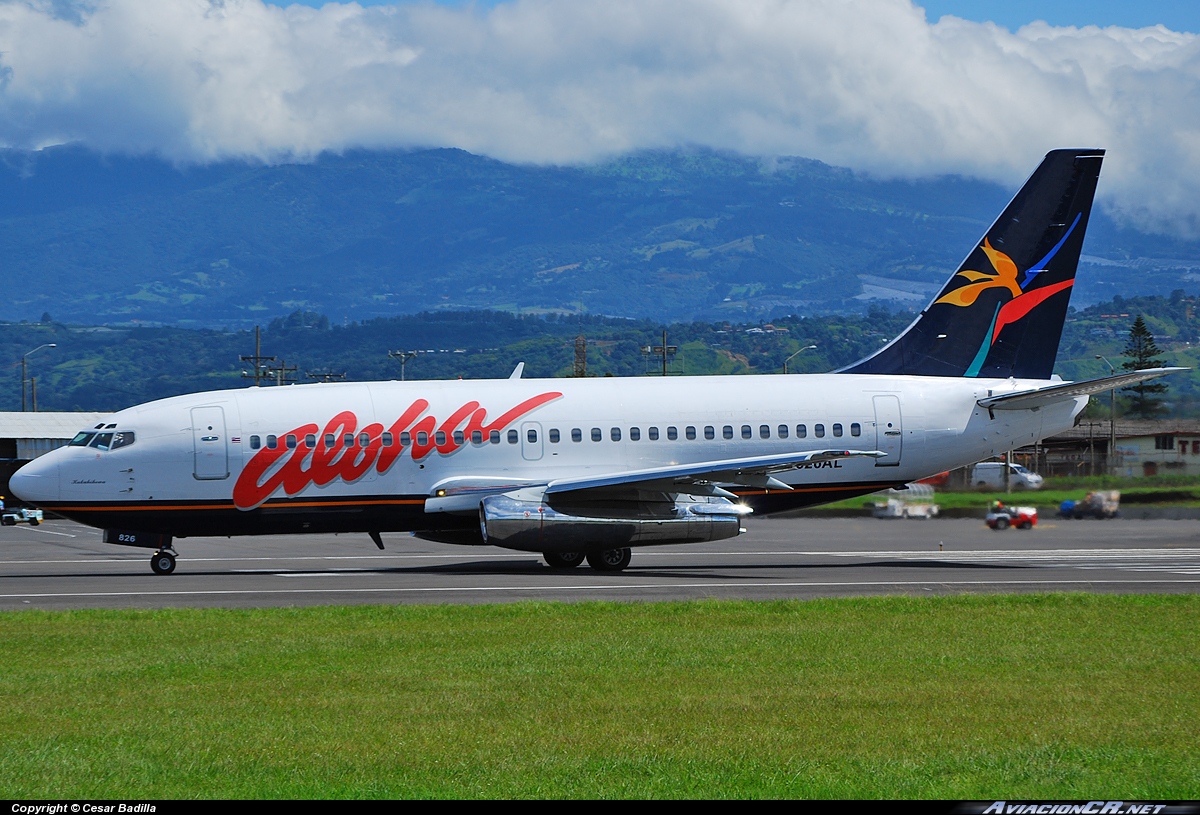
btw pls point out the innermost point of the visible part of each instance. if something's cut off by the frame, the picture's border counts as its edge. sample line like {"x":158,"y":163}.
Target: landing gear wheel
{"x":609,"y":560}
{"x":563,"y":560}
{"x":162,"y":563}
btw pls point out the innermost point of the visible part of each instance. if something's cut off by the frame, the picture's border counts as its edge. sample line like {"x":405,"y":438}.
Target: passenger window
{"x":364,"y":440}
{"x":272,"y":442}
{"x":122,"y":439}
{"x":310,"y":441}
{"x":819,"y":431}
{"x":532,"y":436}
{"x":652,"y":433}
{"x":746,"y":432}
{"x":554,"y":435}
{"x":494,"y":436}
{"x":291,"y":441}
{"x":855,"y":429}
{"x":801,"y":431}
{"x":576,"y":434}
{"x":672,"y":434}
{"x":348,"y":440}
{"x":690,"y":432}
{"x":513,"y":437}
{"x":783,"y":431}
{"x":330,"y":440}
{"x":405,"y":439}
{"x":596,"y":434}
{"x":710,"y":432}
{"x":727,"y":431}
{"x":422,"y":438}
{"x":255,"y":442}
{"x":459,"y":438}
{"x":615,"y":433}
{"x":635,"y":433}
{"x":837,"y":429}
{"x":476,"y":437}
{"x":386,"y":439}
{"x":439,"y":438}
{"x":81,"y":439}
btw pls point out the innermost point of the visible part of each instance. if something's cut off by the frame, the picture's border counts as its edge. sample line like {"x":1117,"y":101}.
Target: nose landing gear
{"x":163,"y":562}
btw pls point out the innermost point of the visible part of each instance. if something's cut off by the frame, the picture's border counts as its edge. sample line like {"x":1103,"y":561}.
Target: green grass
{"x":1060,"y":696}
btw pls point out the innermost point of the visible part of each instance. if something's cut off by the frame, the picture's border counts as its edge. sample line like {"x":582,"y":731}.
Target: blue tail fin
{"x":1002,"y":312}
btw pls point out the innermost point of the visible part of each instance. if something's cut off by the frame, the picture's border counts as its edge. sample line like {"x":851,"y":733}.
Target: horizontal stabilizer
{"x":727,"y":470}
{"x":1040,"y":397}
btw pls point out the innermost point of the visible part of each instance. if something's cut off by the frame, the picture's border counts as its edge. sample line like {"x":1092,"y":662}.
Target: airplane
{"x":587,"y":469}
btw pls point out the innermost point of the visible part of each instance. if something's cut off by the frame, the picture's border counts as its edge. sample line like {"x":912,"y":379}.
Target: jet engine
{"x":530,"y":521}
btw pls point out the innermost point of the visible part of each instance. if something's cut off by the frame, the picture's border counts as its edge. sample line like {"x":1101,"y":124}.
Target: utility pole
{"x":33,"y":389}
{"x":326,"y":376}
{"x":1112,"y":421}
{"x":283,"y":373}
{"x":662,"y":351}
{"x":258,"y":359}
{"x":580,"y":356}
{"x":404,"y":357}
{"x":25,"y":372}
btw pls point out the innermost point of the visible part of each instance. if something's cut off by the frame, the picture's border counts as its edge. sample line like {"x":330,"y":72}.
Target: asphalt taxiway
{"x":62,"y":565}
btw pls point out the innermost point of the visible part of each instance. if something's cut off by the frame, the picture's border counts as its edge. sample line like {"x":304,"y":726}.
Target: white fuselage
{"x":204,"y":463}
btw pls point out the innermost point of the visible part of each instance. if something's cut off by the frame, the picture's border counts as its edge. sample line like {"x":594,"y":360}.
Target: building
{"x":1144,"y":447}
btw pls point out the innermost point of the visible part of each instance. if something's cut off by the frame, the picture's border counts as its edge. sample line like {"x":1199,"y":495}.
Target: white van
{"x":990,"y":474}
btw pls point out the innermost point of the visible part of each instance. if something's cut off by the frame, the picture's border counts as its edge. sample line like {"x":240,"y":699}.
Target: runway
{"x":62,"y":565}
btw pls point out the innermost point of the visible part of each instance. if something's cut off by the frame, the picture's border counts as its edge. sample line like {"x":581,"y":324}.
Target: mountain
{"x":678,"y":235}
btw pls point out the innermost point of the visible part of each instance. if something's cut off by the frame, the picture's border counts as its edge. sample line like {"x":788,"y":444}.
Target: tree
{"x":1145,"y":398}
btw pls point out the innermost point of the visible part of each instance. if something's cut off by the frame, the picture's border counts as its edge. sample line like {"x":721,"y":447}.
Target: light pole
{"x":1112,"y":421}
{"x":404,"y":357}
{"x":24,"y":368}
{"x":793,"y":356}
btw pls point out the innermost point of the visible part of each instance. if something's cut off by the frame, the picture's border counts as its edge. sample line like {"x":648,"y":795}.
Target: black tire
{"x":8,"y":521}
{"x":1001,"y":523}
{"x":34,"y":522}
{"x":1025,"y":525}
{"x":609,"y":560}
{"x":162,"y":563}
{"x":563,"y":560}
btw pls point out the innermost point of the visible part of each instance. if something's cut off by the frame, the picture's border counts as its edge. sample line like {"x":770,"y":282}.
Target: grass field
{"x":1060,"y":696}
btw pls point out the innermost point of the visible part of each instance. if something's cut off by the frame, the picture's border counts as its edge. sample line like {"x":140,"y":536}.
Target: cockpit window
{"x":81,"y":438}
{"x":122,"y":439}
{"x":102,"y":441}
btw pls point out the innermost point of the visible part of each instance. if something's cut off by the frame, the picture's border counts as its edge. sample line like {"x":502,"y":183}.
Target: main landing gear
{"x":163,"y":562}
{"x":602,"y":560}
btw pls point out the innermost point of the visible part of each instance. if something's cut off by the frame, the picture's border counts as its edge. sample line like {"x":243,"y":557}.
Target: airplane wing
{"x":1040,"y":397}
{"x":750,"y":472}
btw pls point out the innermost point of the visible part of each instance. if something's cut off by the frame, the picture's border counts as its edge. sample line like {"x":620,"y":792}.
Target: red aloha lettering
{"x":294,"y":470}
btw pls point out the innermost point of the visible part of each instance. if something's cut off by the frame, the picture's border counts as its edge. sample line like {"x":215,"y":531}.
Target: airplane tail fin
{"x":1002,"y":313}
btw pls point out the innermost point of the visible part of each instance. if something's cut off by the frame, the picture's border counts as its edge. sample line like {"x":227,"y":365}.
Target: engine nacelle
{"x":533,"y":524}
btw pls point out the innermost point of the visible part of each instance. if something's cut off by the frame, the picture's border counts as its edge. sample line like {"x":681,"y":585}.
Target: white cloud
{"x":868,"y":84}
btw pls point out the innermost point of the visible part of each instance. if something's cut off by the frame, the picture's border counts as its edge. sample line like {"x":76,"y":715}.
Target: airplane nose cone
{"x":36,"y":482}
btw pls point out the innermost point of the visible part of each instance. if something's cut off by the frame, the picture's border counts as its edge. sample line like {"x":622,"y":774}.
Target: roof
{"x":15,"y":425}
{"x":1132,"y":428}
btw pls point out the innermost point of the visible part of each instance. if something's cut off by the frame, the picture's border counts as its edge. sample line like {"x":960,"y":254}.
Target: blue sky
{"x":880,"y":86}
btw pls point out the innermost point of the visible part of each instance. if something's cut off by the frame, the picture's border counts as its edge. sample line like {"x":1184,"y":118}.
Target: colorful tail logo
{"x":1024,"y":299}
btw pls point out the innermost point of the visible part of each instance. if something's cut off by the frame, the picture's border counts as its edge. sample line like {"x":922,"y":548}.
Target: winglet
{"x":517,"y":371}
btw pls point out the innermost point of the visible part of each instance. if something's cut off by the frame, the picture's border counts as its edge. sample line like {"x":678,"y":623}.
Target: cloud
{"x":869,"y":84}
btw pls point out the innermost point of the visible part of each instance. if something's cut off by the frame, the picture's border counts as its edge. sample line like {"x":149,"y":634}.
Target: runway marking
{"x":602,"y":587}
{"x":492,"y":553}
